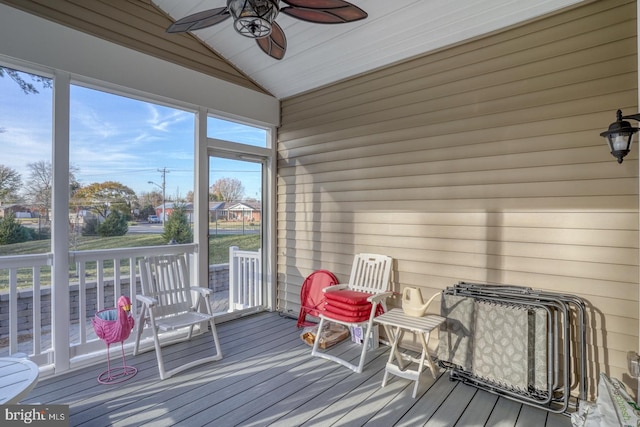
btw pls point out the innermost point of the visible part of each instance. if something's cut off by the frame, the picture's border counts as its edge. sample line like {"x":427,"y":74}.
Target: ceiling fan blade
{"x":199,"y":20}
{"x":274,"y":45}
{"x":316,"y":4}
{"x":324,"y":11}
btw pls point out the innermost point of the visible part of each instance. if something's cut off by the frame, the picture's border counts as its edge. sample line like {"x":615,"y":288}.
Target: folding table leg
{"x":394,"y":345}
{"x":396,"y":334}
{"x":425,"y":353}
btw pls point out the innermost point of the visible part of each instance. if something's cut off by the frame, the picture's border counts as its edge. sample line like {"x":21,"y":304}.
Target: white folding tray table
{"x":396,"y":323}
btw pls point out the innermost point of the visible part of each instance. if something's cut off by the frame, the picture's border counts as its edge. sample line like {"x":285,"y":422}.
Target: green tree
{"x":19,"y":78}
{"x":114,"y":225}
{"x":177,"y":227}
{"x":150,"y":199}
{"x":105,"y":198}
{"x":10,"y":183}
{"x":90,"y":227}
{"x":11,"y":231}
{"x":146,"y":212}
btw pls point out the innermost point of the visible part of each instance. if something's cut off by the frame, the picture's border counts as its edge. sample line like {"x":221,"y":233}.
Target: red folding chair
{"x":312,"y":297}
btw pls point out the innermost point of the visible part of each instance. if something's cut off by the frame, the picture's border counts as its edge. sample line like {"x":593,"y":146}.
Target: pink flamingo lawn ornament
{"x":114,"y":325}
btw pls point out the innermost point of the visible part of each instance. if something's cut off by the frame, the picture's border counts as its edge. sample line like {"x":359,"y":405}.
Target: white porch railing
{"x":113,"y":273}
{"x":10,"y":265}
{"x":101,"y":277}
{"x":245,"y":279}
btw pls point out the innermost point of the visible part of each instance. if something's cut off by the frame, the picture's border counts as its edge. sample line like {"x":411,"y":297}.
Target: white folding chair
{"x":371,"y":276}
{"x":167,"y":306}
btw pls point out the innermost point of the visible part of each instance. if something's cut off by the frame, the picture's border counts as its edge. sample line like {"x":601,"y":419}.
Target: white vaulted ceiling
{"x":318,"y":55}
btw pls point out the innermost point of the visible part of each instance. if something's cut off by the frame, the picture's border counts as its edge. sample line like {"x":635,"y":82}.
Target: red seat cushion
{"x":346,"y":317}
{"x":353,"y":311}
{"x":348,"y":297}
{"x":347,"y":306}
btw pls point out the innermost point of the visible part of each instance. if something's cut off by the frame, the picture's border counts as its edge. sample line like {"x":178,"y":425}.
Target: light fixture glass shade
{"x":253,"y":18}
{"x":619,"y":136}
{"x":620,"y":144}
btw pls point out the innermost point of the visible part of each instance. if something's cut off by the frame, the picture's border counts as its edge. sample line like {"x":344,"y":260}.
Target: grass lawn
{"x":218,"y":251}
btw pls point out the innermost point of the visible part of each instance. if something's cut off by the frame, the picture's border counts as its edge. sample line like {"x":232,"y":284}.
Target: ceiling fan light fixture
{"x":256,"y":19}
{"x":253,"y":18}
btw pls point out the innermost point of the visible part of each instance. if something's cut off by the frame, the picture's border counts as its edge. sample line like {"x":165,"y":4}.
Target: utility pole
{"x":164,"y":171}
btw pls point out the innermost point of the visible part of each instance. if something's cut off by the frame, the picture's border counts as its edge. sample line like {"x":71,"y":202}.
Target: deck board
{"x":358,"y":405}
{"x":452,"y":409}
{"x":505,"y":413}
{"x":529,"y":417}
{"x":421,"y":413}
{"x":314,"y":395}
{"x":401,"y":403}
{"x":479,"y":409}
{"x":556,"y":420}
{"x":322,"y":395}
{"x":267,"y":377}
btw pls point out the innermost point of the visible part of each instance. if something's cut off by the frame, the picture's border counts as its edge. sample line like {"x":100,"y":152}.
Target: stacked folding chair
{"x":355,"y":304}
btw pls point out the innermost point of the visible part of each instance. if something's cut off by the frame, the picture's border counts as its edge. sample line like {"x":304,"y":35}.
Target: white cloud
{"x":91,"y":121}
{"x":162,"y":120}
{"x":23,"y":145}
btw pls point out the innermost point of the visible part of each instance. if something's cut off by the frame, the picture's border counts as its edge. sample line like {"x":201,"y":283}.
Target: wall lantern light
{"x":620,"y":135}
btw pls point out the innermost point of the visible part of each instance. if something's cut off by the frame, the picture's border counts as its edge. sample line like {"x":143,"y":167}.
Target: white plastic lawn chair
{"x":167,"y":306}
{"x":371,"y":275}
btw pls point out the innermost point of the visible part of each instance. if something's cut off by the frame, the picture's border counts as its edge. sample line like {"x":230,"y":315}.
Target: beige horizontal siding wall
{"x":139,"y":25}
{"x":481,"y":162}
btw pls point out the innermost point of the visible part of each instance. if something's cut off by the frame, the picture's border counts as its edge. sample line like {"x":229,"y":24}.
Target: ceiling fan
{"x":256,"y":19}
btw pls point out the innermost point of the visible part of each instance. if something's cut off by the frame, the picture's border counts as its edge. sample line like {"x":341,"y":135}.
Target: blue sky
{"x":114,"y":138}
{"x":125,"y":140}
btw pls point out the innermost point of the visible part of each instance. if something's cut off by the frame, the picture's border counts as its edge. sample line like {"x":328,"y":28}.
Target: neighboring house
{"x":235,"y":211}
{"x":169,"y":208}
{"x":218,"y":210}
{"x":78,"y":219}
{"x":245,"y":210}
{"x":20,"y":211}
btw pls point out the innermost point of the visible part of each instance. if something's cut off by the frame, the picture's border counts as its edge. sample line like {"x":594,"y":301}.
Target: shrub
{"x":114,"y":225}
{"x":90,"y":227}
{"x":177,"y":228}
{"x":146,"y":211}
{"x":11,"y":231}
{"x":44,"y":233}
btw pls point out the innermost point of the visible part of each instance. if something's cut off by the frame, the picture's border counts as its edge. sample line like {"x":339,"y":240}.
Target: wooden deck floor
{"x":267,"y":377}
